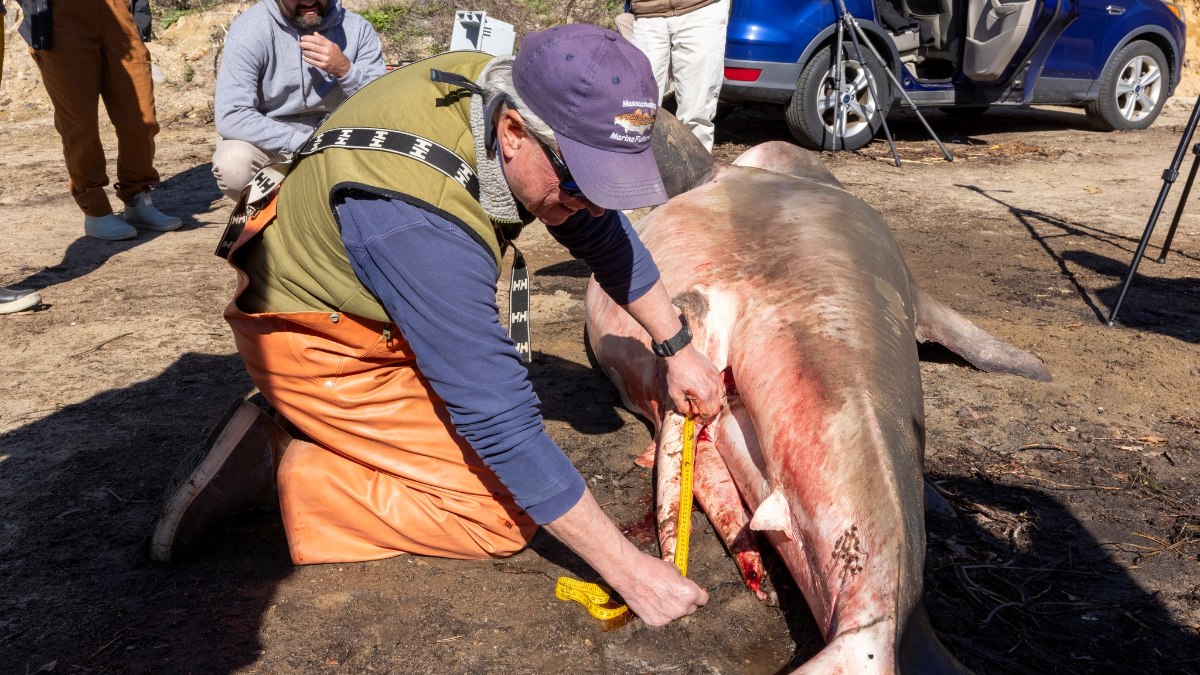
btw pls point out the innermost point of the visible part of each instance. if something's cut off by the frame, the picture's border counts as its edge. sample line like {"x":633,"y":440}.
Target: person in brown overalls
{"x":88,"y":50}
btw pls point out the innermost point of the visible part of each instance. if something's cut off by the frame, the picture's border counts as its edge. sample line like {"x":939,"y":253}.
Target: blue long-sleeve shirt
{"x":439,"y":286}
{"x":267,"y":95}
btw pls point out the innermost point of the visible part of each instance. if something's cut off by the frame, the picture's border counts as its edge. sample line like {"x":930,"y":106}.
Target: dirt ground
{"x":1074,"y":546}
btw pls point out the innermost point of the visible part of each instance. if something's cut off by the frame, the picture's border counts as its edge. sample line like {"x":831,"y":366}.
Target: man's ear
{"x":510,"y":132}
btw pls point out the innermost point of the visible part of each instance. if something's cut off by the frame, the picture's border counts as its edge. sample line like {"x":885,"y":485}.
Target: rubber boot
{"x":108,"y":228}
{"x":141,"y":213}
{"x":232,"y":473}
{"x":15,"y":300}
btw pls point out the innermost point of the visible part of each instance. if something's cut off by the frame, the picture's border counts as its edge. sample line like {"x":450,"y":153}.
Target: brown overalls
{"x":97,"y":54}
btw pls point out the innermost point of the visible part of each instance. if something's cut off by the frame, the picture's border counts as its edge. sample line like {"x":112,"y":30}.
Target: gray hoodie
{"x":267,"y":95}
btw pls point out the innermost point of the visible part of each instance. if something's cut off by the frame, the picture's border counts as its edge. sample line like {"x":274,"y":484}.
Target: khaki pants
{"x":98,"y":55}
{"x":690,"y":51}
{"x":235,"y":163}
{"x":386,"y":473}
{"x":624,"y":24}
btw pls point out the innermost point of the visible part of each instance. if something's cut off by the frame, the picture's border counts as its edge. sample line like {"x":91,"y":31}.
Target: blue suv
{"x":1118,"y":59}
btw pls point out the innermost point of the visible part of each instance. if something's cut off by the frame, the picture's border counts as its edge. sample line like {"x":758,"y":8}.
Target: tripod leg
{"x":871,"y":88}
{"x":892,"y":76}
{"x":1187,"y":189}
{"x":1169,"y":177}
{"x":839,"y":73}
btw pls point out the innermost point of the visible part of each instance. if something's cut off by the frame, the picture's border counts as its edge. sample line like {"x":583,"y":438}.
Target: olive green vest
{"x":301,"y":263}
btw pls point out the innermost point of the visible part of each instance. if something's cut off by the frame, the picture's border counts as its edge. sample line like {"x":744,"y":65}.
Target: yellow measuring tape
{"x":683,"y":532}
{"x":595,"y":598}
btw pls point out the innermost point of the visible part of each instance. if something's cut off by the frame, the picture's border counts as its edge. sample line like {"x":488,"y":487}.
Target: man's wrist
{"x":676,"y":342}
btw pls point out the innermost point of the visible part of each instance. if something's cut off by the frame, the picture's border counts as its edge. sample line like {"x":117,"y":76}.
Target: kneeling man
{"x":366,"y":315}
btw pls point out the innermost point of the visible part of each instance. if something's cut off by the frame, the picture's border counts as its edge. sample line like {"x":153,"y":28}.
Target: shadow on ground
{"x":184,"y":195}
{"x":1154,"y":303}
{"x":754,"y":124}
{"x":190,"y":193}
{"x":82,"y":490}
{"x":1015,"y":584}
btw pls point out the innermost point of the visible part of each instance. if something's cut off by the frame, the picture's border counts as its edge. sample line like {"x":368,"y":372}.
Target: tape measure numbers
{"x":684,"y":529}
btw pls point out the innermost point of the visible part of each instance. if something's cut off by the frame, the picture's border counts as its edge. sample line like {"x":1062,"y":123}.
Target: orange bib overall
{"x":386,"y":472}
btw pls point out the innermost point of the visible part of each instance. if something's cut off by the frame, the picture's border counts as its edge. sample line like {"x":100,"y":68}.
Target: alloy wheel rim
{"x":1139,"y":88}
{"x":852,"y":118}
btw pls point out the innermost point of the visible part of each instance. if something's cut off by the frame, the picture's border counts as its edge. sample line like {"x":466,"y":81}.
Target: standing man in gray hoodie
{"x":287,"y":64}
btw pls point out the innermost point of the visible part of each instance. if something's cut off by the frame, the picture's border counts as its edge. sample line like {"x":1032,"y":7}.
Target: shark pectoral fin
{"x":938,"y":323}
{"x":773,"y":515}
{"x":646,"y":459}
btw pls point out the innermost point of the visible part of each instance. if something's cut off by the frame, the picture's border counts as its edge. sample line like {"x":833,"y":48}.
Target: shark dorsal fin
{"x":683,"y":161}
{"x":773,"y":515}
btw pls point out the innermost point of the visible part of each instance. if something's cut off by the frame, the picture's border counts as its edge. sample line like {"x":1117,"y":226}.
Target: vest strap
{"x":423,"y":150}
{"x":518,"y":306}
{"x":256,"y":196}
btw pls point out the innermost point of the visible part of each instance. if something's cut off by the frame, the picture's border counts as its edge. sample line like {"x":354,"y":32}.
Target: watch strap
{"x":676,"y":342}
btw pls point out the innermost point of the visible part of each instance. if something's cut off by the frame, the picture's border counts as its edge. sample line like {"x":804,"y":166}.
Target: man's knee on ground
{"x":337,"y":510}
{"x":234,"y":163}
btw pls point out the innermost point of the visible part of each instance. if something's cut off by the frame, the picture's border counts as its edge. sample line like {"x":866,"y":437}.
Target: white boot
{"x":141,"y":212}
{"x":17,"y":300}
{"x":109,"y":228}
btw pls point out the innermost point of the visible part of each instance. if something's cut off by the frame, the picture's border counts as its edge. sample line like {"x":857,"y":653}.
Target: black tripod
{"x":1168,"y":177}
{"x":848,"y":24}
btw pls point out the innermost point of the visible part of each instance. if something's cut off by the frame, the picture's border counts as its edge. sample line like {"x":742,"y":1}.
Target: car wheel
{"x":1133,"y":88}
{"x":814,"y":116}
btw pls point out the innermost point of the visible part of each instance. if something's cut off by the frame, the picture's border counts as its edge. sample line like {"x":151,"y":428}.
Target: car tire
{"x":1133,"y":89}
{"x":813,"y":110}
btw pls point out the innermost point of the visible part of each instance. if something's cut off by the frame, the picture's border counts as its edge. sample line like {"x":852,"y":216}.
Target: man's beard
{"x":303,"y":22}
{"x":307,"y":22}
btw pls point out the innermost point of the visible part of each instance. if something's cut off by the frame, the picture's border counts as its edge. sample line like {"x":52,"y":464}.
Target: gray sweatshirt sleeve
{"x":237,"y":101}
{"x":368,"y":62}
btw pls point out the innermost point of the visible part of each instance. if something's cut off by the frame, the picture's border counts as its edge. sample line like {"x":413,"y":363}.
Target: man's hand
{"x":319,"y":51}
{"x":654,"y":589}
{"x":657,"y":593}
{"x":694,"y":384}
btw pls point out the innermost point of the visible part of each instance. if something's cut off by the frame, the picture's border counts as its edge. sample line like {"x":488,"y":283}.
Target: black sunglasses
{"x":566,"y":182}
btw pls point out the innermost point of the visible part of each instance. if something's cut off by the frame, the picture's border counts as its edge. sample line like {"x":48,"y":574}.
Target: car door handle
{"x":1115,"y":10}
{"x":1002,"y":9}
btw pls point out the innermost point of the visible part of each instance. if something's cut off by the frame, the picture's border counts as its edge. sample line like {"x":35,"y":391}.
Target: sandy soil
{"x":1075,"y":546}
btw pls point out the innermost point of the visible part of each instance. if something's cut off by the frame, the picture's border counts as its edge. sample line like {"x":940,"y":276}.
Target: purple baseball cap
{"x":597,"y":92}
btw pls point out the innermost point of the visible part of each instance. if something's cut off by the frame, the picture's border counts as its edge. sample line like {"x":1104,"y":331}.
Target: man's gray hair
{"x":497,"y":80}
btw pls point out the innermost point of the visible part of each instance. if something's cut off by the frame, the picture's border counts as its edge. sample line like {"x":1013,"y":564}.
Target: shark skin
{"x":797,"y":290}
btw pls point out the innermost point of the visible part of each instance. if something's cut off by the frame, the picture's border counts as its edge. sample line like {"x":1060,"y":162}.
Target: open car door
{"x":1011,"y":37}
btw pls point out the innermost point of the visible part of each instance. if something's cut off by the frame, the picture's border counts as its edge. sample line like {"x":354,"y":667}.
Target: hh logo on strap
{"x":518,"y":307}
{"x":412,"y":146}
{"x":257,"y":194}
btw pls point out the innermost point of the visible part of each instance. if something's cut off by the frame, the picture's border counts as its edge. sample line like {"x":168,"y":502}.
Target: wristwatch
{"x":672,"y":345}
